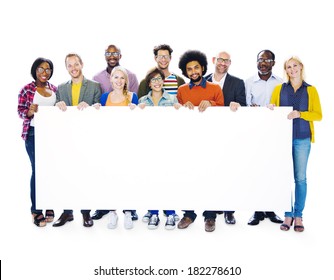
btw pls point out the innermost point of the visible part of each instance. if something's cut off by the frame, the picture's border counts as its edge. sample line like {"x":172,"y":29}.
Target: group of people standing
{"x":118,"y":86}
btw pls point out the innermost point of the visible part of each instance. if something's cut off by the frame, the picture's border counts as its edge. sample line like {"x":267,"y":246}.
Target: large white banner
{"x":163,"y":158}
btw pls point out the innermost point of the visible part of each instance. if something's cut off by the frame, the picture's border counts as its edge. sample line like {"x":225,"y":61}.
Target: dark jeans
{"x":213,"y":214}
{"x":67,"y":211}
{"x":30,"y":147}
{"x":190,"y":214}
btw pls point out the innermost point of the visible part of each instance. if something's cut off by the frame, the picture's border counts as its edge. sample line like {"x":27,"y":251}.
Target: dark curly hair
{"x":37,"y":63}
{"x":193,"y":55}
{"x":164,"y":47}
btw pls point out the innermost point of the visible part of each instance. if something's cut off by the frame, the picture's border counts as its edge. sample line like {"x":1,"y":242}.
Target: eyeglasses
{"x":156,"y":80}
{"x":114,"y":54}
{"x":159,"y":57}
{"x":40,"y":70}
{"x":260,"y":60}
{"x":225,"y":60}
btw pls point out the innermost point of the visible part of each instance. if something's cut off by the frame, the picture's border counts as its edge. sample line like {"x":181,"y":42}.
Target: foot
{"x":273,"y":217}
{"x":113,"y":218}
{"x":63,"y":219}
{"x":38,"y":219}
{"x":229,"y":218}
{"x":210,"y":225}
{"x":147,"y":217}
{"x":49,"y":216}
{"x":287,"y":224}
{"x":170,"y":222}
{"x":87,"y":220}
{"x":299,"y":227}
{"x":128,"y":222}
{"x":134,"y":215}
{"x":98,"y":214}
{"x":184,"y":223}
{"x":153,"y":222}
{"x":256,"y":218}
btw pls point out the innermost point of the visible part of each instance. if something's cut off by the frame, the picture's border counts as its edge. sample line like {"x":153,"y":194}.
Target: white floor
{"x":73,"y":252}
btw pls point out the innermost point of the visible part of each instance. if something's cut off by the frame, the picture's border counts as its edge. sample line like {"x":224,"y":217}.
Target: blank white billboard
{"x":163,"y":158}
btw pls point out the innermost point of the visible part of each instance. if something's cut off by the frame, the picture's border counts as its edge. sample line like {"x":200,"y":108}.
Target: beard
{"x":196,"y":80}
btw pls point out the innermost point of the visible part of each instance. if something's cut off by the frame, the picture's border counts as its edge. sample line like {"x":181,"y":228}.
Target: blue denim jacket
{"x":166,"y":99}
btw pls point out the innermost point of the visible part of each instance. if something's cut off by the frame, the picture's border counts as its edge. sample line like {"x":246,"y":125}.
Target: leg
{"x":300,"y":153}
{"x":30,"y":148}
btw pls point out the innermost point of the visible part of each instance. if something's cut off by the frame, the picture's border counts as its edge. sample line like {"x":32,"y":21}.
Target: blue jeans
{"x":30,"y":147}
{"x":300,"y":152}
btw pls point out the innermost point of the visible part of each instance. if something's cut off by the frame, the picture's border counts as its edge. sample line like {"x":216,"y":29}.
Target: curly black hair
{"x":193,"y":55}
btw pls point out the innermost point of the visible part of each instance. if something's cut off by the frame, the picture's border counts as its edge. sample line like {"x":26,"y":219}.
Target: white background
{"x":39,"y":28}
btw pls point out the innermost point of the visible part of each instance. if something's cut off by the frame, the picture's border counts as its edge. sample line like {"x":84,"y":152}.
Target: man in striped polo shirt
{"x":163,"y":56}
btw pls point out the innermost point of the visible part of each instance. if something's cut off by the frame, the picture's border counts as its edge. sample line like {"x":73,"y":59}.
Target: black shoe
{"x":63,"y":219}
{"x":256,"y":218}
{"x":134,"y":215}
{"x":87,"y":220}
{"x":273,"y":217}
{"x":229,"y":218}
{"x":99,"y":214}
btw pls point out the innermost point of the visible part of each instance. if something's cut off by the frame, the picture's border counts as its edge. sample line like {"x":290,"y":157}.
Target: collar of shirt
{"x":221,"y":82}
{"x":165,"y":94}
{"x":202,"y":83}
{"x":304,"y":84}
{"x":273,"y":76}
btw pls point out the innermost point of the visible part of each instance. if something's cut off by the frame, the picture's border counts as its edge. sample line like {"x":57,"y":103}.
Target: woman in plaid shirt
{"x":37,"y":93}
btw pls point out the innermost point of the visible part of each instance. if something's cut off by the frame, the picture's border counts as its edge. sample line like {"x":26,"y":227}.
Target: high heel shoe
{"x":286,"y":226}
{"x":299,"y":228}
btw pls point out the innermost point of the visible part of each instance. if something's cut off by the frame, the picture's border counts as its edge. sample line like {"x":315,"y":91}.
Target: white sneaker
{"x":147,"y":217}
{"x":113,"y":218}
{"x":128,"y":223}
{"x":170,"y":223}
{"x":154,"y":222}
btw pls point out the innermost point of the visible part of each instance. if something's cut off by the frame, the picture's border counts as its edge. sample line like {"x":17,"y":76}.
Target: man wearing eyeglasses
{"x":113,"y":55}
{"x":163,"y":55}
{"x":233,"y":91}
{"x":259,"y":89}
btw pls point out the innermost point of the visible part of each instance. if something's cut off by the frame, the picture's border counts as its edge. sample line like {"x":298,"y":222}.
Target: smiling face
{"x":194,"y":71}
{"x":222,"y":63}
{"x":156,"y":83}
{"x":112,"y":56}
{"x":74,"y":66}
{"x":265,"y":63}
{"x":163,"y":59}
{"x":118,"y":80}
{"x":43,"y":72}
{"x":293,"y":69}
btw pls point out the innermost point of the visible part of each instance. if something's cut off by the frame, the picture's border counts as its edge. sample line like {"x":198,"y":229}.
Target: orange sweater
{"x":212,"y":93}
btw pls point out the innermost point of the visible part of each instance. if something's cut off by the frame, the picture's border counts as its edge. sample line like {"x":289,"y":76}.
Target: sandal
{"x":300,"y":227}
{"x":39,"y":219}
{"x":286,"y":226}
{"x":49,"y":216}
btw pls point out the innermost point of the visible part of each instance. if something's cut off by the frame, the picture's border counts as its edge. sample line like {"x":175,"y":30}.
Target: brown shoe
{"x":210,"y":225}
{"x":64,"y":218}
{"x":184,"y":223}
{"x":87,"y":220}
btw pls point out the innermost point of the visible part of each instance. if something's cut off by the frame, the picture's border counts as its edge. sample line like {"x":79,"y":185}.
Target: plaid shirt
{"x":26,"y":98}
